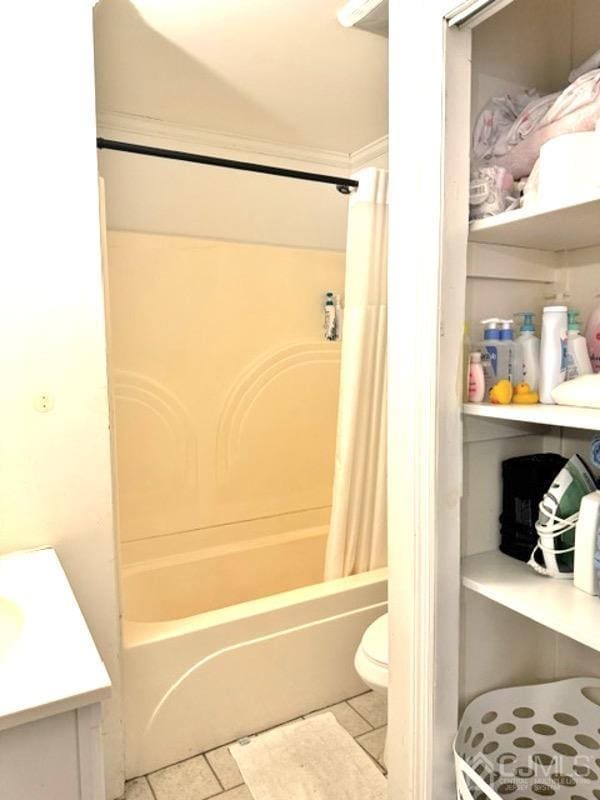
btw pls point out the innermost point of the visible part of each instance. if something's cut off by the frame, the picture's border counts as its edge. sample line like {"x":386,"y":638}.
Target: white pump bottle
{"x":553,"y":359}
{"x":529,"y":351}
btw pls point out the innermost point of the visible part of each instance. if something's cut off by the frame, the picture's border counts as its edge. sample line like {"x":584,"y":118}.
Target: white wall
{"x":586,"y":21}
{"x":153,"y":195}
{"x":506,"y":55}
{"x":281,"y":71}
{"x":55,"y":472}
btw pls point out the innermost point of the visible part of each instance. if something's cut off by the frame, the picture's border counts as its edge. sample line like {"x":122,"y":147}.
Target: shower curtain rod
{"x":343,"y":185}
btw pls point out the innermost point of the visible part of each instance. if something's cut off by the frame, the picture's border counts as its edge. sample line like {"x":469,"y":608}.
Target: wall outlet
{"x":43,"y":402}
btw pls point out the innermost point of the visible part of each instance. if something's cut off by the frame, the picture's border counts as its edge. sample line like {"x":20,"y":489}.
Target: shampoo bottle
{"x":553,"y":358}
{"x":329,"y":326}
{"x":529,"y":352}
{"x":489,"y":352}
{"x":507,"y":360}
{"x":592,"y":335}
{"x":578,"y":359}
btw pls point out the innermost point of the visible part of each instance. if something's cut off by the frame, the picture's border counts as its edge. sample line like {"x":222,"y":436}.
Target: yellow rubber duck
{"x":524,"y":395}
{"x":501,"y":393}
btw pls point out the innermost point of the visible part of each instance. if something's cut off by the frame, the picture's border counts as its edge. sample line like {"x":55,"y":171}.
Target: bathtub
{"x":199,"y":673}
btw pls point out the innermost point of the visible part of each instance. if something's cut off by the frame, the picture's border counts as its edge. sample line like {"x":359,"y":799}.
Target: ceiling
{"x":280,"y":70}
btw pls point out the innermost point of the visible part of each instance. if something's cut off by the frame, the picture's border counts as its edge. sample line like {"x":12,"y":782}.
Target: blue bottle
{"x":489,"y":352}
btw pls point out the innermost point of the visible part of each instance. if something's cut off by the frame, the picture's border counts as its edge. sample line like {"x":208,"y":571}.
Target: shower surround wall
{"x":225,"y":398}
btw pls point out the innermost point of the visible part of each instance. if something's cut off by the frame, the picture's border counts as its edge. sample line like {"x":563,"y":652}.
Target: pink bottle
{"x":476,"y":379}
{"x":592,"y":335}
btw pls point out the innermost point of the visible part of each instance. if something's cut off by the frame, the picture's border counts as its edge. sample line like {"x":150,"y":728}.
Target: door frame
{"x":429,"y":226}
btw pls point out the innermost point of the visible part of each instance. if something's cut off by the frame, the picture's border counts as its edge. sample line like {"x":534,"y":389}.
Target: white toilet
{"x":372,"y":657}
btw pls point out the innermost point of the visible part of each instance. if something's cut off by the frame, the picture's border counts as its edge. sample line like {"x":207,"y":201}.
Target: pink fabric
{"x":530,"y":118}
{"x":576,"y":109}
{"x":495,"y":122}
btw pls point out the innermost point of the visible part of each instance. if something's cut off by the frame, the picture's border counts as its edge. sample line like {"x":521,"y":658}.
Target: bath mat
{"x":313,"y":759}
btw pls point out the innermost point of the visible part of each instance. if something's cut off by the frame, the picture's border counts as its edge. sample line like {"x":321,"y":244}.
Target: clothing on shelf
{"x":593,"y":62}
{"x":511,"y":130}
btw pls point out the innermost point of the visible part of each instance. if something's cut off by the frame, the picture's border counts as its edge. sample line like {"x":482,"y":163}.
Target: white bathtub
{"x":197,"y":676}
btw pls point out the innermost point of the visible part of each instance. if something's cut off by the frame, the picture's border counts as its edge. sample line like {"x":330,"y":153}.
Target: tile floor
{"x":215,"y":774}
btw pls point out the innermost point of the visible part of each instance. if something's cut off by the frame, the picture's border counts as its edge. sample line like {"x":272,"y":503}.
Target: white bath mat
{"x":313,"y":759}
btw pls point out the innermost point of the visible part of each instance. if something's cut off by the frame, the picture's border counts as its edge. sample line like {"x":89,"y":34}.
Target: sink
{"x":11,"y":622}
{"x":48,"y":661}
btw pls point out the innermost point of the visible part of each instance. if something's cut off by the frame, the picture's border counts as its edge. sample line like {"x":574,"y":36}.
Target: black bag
{"x":525,"y":480}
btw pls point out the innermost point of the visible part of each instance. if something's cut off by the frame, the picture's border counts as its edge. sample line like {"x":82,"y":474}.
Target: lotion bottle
{"x":476,"y":379}
{"x":529,"y":351}
{"x":553,"y":358}
{"x":578,"y":359}
{"x":592,"y":335}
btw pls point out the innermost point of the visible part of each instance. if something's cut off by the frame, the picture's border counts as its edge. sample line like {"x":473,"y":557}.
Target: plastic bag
{"x":491,"y":191}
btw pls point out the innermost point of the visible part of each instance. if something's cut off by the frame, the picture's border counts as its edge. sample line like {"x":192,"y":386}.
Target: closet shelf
{"x":587,"y":419}
{"x":566,"y":228}
{"x":556,"y":604}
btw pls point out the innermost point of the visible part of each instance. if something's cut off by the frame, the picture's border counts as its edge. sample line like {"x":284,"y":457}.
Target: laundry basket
{"x":531,"y":742}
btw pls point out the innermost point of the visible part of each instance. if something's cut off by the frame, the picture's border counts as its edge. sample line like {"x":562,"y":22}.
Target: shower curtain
{"x":358,"y":530}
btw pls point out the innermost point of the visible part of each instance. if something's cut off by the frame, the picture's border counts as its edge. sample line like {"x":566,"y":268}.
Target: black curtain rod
{"x":343,"y":185}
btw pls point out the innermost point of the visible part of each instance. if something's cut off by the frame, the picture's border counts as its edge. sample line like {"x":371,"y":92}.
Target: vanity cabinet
{"x":52,"y":682}
{"x":55,"y":758}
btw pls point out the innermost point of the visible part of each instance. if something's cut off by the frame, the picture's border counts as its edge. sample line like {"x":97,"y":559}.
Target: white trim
{"x":364,"y":156}
{"x":416,"y":676}
{"x":473,"y":12}
{"x":90,"y":752}
{"x":448,"y":483}
{"x":172,"y":135}
{"x":175,"y":136}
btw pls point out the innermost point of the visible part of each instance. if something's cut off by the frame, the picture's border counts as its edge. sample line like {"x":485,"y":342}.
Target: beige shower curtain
{"x":358,"y":531}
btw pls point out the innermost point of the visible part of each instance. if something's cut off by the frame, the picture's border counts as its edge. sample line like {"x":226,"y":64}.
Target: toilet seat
{"x":372,"y":656}
{"x":374,"y":643}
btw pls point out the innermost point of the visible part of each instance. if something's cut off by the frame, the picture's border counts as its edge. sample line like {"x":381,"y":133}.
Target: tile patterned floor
{"x":216,"y":775}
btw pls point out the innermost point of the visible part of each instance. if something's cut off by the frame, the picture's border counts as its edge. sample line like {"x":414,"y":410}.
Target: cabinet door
{"x":57,"y":758}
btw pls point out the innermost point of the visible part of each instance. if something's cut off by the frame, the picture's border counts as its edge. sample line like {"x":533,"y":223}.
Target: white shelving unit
{"x":587,"y":419}
{"x":512,"y":626}
{"x":554,"y":603}
{"x":566,"y":228}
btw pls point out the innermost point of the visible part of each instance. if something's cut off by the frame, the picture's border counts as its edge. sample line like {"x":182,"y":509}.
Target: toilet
{"x":371,"y":660}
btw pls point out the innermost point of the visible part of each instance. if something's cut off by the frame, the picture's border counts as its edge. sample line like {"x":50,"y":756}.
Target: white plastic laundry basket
{"x":531,"y":742}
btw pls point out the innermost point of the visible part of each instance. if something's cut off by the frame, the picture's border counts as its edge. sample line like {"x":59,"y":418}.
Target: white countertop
{"x":48,"y":660}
